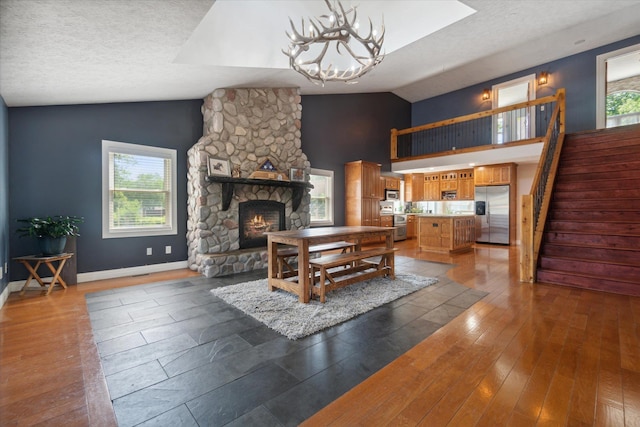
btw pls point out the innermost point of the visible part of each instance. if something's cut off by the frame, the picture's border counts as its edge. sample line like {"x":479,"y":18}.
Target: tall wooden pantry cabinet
{"x":363,"y":192}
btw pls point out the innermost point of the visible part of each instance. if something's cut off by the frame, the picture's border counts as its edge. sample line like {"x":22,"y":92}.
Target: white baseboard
{"x":5,"y":295}
{"x":131,"y":271}
{"x":105,"y":274}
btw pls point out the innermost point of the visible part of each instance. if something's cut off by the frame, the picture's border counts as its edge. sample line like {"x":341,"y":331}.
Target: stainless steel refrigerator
{"x":492,"y":214}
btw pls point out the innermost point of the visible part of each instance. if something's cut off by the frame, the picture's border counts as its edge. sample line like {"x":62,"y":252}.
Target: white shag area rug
{"x":282,"y":312}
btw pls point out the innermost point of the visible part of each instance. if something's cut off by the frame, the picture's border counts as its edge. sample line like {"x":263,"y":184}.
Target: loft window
{"x":138,"y":190}
{"x":623,"y":108}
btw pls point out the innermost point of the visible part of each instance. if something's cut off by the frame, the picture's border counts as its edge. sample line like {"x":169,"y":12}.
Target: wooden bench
{"x":358,"y":268}
{"x":286,"y":270}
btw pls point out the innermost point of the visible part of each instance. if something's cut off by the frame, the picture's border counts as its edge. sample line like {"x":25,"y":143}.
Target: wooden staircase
{"x":592,"y":236}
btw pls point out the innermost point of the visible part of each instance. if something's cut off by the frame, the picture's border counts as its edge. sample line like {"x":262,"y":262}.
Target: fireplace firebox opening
{"x":258,"y":217}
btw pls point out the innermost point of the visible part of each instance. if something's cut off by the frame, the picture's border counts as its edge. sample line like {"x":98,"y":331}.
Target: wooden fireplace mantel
{"x":228,"y":182}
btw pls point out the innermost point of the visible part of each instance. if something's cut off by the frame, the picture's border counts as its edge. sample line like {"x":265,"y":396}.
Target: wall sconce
{"x":486,"y":94}
{"x":543,"y":78}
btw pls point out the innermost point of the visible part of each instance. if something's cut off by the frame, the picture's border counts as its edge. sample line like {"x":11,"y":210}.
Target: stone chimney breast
{"x":244,"y":127}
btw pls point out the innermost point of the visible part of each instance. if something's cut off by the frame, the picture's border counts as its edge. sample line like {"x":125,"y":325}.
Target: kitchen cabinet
{"x":411,"y":227}
{"x":363,"y":192}
{"x":448,"y":181}
{"x":414,"y":187}
{"x":494,"y":174}
{"x":466,"y":185}
{"x":446,"y":233}
{"x":391,"y":183}
{"x":431,"y":186}
{"x":386,"y":221}
{"x":369,"y":178}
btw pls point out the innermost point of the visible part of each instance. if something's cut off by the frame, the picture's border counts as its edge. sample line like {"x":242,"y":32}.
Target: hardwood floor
{"x":524,"y":355}
{"x":50,"y":371}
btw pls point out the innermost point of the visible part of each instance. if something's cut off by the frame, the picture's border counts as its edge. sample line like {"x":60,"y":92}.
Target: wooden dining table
{"x":304,"y":238}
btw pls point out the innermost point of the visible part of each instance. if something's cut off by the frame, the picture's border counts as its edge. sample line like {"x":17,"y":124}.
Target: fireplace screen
{"x":256,"y":218}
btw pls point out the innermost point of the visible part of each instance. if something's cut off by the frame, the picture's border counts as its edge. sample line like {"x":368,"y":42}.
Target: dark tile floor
{"x":175,"y":355}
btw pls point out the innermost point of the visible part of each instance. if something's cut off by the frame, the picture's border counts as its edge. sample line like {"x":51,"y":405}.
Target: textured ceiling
{"x":87,"y":51}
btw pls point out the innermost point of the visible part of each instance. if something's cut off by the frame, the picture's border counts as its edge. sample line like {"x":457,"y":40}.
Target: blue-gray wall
{"x":341,"y":128}
{"x":65,"y":143}
{"x":576,"y":73}
{"x":55,"y":157}
{"x":4,"y":192}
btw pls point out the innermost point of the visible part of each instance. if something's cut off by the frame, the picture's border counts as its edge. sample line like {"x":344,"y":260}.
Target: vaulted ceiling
{"x":85,"y":51}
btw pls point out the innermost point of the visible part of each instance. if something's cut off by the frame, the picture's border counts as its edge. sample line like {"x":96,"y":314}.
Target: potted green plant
{"x":51,"y":232}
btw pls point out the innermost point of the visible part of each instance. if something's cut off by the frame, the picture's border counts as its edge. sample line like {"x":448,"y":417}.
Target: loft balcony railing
{"x":523,"y":123}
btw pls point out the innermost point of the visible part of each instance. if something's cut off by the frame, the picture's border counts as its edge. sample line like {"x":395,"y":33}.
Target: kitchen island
{"x":446,"y":233}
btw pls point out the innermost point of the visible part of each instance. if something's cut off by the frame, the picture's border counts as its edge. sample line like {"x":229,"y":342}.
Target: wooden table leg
{"x":391,"y":256}
{"x":303,"y":271}
{"x":272,"y":268}
{"x":56,"y":275}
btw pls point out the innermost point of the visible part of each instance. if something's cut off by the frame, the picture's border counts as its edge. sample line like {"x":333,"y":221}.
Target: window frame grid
{"x":113,"y":147}
{"x":331,"y":220}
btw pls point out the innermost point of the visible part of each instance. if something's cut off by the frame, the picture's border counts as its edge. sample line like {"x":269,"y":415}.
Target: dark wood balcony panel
{"x":602,"y":239}
{"x":588,"y":207}
{"x":596,"y":254}
{"x":619,"y":228}
{"x":606,"y":194}
{"x":588,"y":282}
{"x":563,"y":186}
{"x":630,"y":167}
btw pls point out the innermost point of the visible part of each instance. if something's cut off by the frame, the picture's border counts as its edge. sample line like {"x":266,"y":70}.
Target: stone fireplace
{"x":245,"y":127}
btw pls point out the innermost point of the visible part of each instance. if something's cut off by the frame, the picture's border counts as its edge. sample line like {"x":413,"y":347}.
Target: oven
{"x":400,"y":222}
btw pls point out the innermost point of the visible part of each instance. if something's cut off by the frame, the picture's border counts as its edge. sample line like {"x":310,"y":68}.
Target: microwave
{"x":392,"y":195}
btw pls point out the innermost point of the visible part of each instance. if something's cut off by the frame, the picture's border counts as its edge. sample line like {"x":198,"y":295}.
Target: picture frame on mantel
{"x":218,"y":167}
{"x":297,"y":174}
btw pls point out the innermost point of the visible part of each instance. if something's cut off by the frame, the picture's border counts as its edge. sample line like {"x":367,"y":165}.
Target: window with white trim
{"x":321,"y":197}
{"x":138,"y":190}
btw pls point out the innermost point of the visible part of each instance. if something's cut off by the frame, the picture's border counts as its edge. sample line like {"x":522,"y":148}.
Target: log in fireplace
{"x":258,"y":217}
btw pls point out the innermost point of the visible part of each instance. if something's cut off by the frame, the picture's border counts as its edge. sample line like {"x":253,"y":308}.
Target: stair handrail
{"x":535,"y":205}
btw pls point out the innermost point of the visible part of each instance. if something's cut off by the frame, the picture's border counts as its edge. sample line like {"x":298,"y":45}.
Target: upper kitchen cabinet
{"x":414,"y":187}
{"x":466,"y":184}
{"x":495,"y":174}
{"x":432,"y":186}
{"x":449,"y":181}
{"x":391,"y":183}
{"x":363,"y":178}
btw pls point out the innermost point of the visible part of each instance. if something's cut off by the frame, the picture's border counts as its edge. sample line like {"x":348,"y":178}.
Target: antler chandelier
{"x":356,"y":55}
